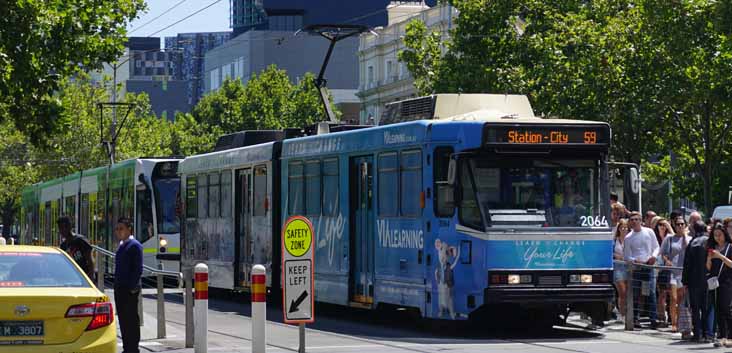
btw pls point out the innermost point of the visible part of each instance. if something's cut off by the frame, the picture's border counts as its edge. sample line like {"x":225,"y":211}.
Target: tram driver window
{"x":469,"y":212}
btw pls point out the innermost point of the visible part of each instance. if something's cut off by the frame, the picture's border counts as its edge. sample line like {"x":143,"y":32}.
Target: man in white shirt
{"x":641,"y":247}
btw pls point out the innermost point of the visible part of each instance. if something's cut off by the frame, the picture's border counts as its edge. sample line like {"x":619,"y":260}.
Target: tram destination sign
{"x":546,"y":135}
{"x":297,"y":271}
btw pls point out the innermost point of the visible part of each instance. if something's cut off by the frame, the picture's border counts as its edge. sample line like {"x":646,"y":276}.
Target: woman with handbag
{"x":673,"y":249}
{"x":720,"y":270}
{"x":663,"y":231}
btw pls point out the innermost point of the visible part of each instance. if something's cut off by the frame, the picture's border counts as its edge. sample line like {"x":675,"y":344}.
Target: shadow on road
{"x":399,"y":326}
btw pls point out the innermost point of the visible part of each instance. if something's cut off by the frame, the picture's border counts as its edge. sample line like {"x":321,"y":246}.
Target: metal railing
{"x":103,"y":254}
{"x":641,"y":287}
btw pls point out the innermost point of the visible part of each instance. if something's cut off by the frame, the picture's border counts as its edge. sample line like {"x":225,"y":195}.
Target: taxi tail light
{"x":102,"y":314}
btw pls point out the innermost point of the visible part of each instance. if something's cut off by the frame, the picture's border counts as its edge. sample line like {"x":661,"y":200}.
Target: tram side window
{"x":411,"y":183}
{"x":202,"y":196}
{"x":312,"y":188}
{"x":70,"y":207}
{"x":330,"y":187}
{"x":444,"y":206}
{"x":388,"y":184}
{"x":214,"y":195}
{"x":191,"y":200}
{"x":226,"y":193}
{"x":296,"y":189}
{"x":469,"y":212}
{"x":84,"y":216}
{"x":260,"y":191}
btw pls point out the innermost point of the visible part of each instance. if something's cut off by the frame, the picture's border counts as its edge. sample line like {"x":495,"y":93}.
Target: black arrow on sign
{"x":294,"y":305}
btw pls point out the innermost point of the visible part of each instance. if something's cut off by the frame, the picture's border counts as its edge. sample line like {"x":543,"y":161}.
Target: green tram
{"x":145,"y":190}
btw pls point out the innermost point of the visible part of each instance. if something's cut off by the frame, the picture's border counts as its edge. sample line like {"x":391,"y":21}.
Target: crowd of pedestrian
{"x":679,"y":271}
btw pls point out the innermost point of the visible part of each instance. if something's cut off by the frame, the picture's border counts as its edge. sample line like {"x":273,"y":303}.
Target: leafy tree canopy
{"x":657,"y":71}
{"x":42,"y":42}
{"x":267,"y":101}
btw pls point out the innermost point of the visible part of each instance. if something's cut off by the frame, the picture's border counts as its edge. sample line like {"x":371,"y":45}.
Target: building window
{"x":388,"y":184}
{"x":370,"y":76}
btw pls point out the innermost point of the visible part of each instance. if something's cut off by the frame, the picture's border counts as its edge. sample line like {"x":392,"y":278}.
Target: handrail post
{"x":161,"y":304}
{"x":140,"y":312}
{"x":629,"y":314}
{"x":100,"y":270}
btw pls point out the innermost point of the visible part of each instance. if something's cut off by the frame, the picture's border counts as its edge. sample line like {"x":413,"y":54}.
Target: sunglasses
{"x":680,"y":224}
{"x":624,"y":228}
{"x":635,"y":219}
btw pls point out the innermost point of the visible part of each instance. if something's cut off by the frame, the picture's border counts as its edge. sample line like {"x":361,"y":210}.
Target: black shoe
{"x":654,"y":325}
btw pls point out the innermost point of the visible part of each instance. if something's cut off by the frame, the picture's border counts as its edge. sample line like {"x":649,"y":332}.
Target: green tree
{"x":267,"y":101}
{"x":657,"y":71}
{"x":16,"y":171}
{"x":190,"y":137}
{"x":42,"y":42}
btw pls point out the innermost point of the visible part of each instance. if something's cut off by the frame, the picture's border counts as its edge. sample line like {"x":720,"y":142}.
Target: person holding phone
{"x":719,"y":264}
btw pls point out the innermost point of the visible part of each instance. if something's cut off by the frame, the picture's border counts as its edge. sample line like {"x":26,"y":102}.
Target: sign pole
{"x":298,"y":290}
{"x":301,"y":349}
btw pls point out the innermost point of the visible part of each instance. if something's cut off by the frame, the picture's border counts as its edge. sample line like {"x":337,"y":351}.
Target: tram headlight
{"x":519,"y":279}
{"x":580,"y":278}
{"x":163,"y":242}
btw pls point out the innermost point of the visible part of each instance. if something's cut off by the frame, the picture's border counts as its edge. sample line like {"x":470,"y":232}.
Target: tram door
{"x":362,"y":230}
{"x":243,"y":225}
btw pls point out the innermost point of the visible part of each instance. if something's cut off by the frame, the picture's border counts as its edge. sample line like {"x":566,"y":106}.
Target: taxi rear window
{"x":26,"y":269}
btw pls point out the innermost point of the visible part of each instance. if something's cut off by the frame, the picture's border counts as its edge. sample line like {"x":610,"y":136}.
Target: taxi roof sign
{"x":297,"y":271}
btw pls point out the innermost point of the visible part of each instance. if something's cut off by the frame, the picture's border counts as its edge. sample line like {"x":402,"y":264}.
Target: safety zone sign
{"x":297,"y":270}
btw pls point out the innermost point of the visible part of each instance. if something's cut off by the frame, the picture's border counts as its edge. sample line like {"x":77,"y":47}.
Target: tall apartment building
{"x":192,"y":48}
{"x":263,"y":35}
{"x":382,"y":77}
{"x":144,"y":67}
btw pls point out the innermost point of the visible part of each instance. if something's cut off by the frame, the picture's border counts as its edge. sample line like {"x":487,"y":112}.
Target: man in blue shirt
{"x":127,"y":272}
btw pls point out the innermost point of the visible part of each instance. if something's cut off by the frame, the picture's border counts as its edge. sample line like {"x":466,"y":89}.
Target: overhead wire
{"x":185,"y":18}
{"x":157,"y":17}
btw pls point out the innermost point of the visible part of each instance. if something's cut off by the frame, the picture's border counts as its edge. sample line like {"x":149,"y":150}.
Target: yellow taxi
{"x":48,"y":304}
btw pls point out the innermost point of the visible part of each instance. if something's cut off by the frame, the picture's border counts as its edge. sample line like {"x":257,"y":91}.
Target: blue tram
{"x":446,"y":216}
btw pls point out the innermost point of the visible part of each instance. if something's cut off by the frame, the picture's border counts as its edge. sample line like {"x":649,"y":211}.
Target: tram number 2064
{"x":593,"y":221}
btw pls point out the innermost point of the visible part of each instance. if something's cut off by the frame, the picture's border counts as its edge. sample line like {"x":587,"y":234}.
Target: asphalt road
{"x":340,"y":329}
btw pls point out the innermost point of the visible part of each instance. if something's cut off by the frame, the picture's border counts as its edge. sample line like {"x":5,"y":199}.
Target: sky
{"x":213,"y":19}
